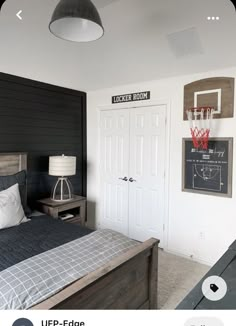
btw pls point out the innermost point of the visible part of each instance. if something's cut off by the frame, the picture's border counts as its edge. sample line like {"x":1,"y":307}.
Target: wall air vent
{"x":186,"y":42}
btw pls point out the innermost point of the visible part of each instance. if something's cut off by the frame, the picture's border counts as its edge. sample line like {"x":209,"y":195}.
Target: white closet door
{"x":114,"y":166}
{"x":147,"y":168}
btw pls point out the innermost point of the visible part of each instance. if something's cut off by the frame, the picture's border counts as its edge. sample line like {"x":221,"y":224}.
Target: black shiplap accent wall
{"x":43,"y":120}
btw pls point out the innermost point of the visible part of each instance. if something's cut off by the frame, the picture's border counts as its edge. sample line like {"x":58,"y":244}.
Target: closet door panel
{"x":114,"y":164}
{"x":147,"y":167}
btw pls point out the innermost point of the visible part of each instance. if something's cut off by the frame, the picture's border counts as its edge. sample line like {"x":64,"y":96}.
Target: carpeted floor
{"x":176,"y":277}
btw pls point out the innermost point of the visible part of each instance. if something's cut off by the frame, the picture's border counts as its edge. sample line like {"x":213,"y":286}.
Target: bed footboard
{"x":127,"y":282}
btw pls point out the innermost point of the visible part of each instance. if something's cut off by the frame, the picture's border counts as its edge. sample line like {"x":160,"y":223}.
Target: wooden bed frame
{"x":126,"y":282}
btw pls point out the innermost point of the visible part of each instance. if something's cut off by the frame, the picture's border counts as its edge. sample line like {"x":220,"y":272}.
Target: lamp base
{"x":62,"y":190}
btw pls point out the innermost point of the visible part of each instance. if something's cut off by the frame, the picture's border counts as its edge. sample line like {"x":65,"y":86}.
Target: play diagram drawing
{"x":207,"y":177}
{"x":208,"y":171}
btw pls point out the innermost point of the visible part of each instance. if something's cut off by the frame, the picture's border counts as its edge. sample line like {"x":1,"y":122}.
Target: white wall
{"x":188,"y":214}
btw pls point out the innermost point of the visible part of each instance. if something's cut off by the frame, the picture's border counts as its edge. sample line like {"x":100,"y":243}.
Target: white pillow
{"x":11,"y":210}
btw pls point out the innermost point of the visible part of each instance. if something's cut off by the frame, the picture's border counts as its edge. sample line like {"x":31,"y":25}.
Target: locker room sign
{"x":141,"y":96}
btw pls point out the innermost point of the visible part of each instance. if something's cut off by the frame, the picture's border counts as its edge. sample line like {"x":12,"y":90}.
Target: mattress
{"x":40,"y":234}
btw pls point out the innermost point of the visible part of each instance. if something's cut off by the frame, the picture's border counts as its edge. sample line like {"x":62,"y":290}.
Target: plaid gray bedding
{"x":36,"y":279}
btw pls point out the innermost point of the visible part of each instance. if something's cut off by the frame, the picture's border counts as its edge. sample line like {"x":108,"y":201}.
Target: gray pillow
{"x":10,"y":180}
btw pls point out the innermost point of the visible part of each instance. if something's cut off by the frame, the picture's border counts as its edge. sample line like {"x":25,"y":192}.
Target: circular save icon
{"x":214,"y":288}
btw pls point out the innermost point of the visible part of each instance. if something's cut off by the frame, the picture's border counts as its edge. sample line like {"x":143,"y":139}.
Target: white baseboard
{"x":196,"y":259}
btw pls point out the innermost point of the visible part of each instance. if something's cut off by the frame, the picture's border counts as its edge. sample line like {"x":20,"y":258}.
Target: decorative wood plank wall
{"x":43,"y":120}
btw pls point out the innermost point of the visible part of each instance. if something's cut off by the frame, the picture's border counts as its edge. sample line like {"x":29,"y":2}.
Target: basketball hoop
{"x":200,"y":124}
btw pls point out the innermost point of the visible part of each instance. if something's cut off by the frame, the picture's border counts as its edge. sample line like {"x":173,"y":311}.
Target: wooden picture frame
{"x":208,"y":171}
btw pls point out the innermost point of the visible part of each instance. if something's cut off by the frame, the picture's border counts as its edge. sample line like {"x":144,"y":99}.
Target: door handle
{"x":124,"y":179}
{"x":132,"y":180}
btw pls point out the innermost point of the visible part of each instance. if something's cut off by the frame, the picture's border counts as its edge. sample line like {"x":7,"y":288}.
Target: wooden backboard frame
{"x":217,"y":92}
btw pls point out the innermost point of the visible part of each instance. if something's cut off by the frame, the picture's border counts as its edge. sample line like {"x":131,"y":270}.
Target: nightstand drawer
{"x":48,"y":210}
{"x":67,"y":206}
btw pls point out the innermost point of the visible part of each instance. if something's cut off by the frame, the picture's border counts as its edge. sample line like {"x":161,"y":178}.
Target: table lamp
{"x":62,"y":167}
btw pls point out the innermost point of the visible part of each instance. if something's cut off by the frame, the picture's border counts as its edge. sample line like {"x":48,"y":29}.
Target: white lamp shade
{"x":62,"y":166}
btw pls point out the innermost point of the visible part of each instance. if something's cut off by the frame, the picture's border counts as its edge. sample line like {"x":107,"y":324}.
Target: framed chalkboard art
{"x":208,"y":171}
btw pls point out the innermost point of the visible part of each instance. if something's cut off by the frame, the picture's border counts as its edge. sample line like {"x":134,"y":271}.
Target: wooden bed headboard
{"x":11,"y":163}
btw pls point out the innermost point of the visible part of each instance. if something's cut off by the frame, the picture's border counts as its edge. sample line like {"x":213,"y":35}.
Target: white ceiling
{"x":135,"y":46}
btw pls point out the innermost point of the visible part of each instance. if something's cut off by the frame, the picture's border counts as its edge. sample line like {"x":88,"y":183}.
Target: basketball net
{"x":200,"y":125}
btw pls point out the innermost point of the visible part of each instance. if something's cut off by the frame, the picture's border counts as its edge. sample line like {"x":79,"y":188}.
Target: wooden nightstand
{"x":76,"y":207}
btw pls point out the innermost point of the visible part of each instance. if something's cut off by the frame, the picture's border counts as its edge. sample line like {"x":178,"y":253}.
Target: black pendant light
{"x":76,"y":20}
{"x":234,"y":3}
